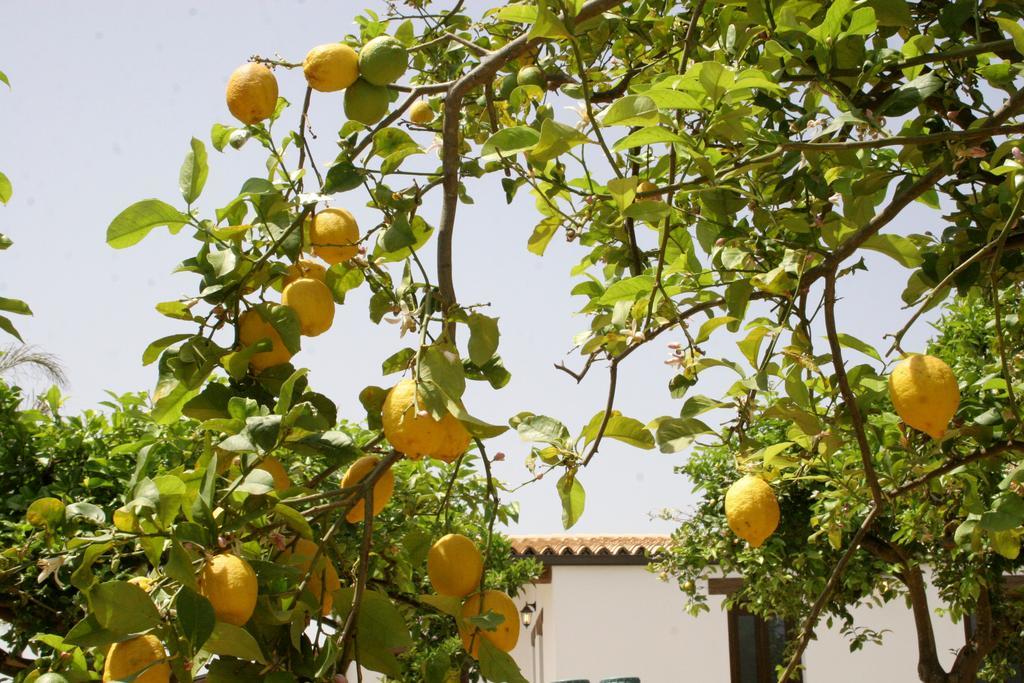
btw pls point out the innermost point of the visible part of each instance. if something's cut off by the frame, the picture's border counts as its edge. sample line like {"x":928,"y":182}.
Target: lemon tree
{"x":725,"y":172}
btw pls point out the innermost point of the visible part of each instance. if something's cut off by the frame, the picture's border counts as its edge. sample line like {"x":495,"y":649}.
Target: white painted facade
{"x":605,"y":621}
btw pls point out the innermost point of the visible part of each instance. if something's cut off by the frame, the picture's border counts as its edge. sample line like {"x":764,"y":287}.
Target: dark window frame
{"x":765,"y":667}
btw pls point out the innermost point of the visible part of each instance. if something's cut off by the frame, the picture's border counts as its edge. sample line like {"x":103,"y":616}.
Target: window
{"x":756,"y":647}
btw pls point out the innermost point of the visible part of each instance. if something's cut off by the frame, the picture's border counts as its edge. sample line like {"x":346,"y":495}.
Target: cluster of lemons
{"x":333,"y":236}
{"x":455,"y":568}
{"x":364,"y":76}
{"x":454,"y":564}
{"x":925,"y":394}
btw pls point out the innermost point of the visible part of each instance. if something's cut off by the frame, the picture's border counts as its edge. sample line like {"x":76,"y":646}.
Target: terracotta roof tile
{"x":586,"y":544}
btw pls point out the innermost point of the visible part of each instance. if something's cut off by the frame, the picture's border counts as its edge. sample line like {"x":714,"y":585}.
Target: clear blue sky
{"x":105,"y":99}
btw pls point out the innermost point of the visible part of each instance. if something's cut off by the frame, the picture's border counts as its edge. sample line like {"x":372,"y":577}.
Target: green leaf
{"x":650,"y":135}
{"x":851,"y":342}
{"x":542,"y":234}
{"x":909,"y":95}
{"x":631,"y":110}
{"x":716,"y":79}
{"x":194,"y":171}
{"x":900,"y":248}
{"x":4,"y":80}
{"x":285,"y":322}
{"x":16,"y":306}
{"x":399,"y":361}
{"x":1006,"y":543}
{"x":573,"y":497}
{"x":294,"y":519}
{"x":627,"y":290}
{"x":555,"y":139}
{"x":892,"y":12}
{"x":1016,"y":31}
{"x":220,"y":136}
{"x":710,"y":326}
{"x":498,"y":666}
{"x":157,"y":347}
{"x":483,"y":338}
{"x":83,"y":578}
{"x":135,"y":222}
{"x":195,"y":616}
{"x":674,"y":434}
{"x":5,"y":189}
{"x":996,"y":520}
{"x":342,"y":177}
{"x":382,"y":630}
{"x":440,"y":365}
{"x":547,"y":24}
{"x":122,"y":607}
{"x":621,"y":428}
{"x":540,"y":428}
{"x":233,"y":641}
{"x":828,"y":30}
{"x":88,"y":633}
{"x":399,"y":235}
{"x":519,"y":13}
{"x":7,"y":326}
{"x":341,"y":279}
{"x":452,"y":606}
{"x":508,"y":142}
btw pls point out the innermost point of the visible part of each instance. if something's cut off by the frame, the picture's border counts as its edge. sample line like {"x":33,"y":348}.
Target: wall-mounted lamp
{"x":527,"y":612}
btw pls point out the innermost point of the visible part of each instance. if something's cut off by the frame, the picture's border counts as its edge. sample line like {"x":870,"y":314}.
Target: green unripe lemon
{"x":506,"y":85}
{"x":383,"y":60}
{"x":531,"y":75}
{"x":365,"y":102}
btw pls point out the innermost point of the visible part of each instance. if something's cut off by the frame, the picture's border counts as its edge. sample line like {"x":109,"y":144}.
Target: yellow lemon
{"x":229,"y":583}
{"x":252,"y":93}
{"x":925,"y":394}
{"x":504,"y":636}
{"x":647,"y":186}
{"x":454,"y":566}
{"x":252,"y":328}
{"x":382,"y":489}
{"x":751,"y":509}
{"x":277,"y":471}
{"x":323,"y":580}
{"x":334,"y":235}
{"x":365,"y":102}
{"x":331,"y":67}
{"x":313,"y":304}
{"x":420,"y":113}
{"x":129,"y":657}
{"x":304,"y":268}
{"x":418,"y":435}
{"x":383,"y":60}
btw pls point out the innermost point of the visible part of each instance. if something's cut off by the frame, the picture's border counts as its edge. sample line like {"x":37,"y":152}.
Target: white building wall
{"x":607,"y":621}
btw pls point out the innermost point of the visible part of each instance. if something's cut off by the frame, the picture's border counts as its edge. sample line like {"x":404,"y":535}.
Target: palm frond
{"x":16,"y":359}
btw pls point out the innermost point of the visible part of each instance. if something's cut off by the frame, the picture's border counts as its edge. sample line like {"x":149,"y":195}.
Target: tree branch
{"x":980,"y":454}
{"x":848,"y":396}
{"x":807,"y":630}
{"x":480,"y":74}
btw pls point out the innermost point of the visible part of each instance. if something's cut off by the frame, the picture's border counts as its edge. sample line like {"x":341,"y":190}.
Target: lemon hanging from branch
{"x":411,"y":430}
{"x":925,"y":394}
{"x":752,"y":509}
